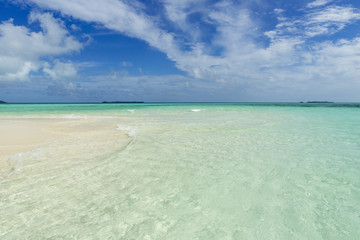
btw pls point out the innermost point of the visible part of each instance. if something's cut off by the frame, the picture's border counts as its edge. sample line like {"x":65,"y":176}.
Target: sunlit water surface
{"x":193,"y":171}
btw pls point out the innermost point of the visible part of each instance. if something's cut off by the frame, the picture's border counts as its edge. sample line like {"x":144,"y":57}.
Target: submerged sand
{"x":25,"y":140}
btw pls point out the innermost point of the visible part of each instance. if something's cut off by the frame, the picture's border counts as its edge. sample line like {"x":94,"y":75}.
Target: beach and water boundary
{"x":179,"y":171}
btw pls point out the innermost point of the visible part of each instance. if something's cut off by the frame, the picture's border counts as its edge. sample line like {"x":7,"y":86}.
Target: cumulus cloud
{"x":60,"y":70}
{"x":22,"y":50}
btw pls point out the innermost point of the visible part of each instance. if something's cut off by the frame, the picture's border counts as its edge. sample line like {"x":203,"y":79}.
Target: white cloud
{"x":322,"y":21}
{"x":126,"y":64}
{"x":115,"y":15}
{"x":22,"y":50}
{"x":179,"y":12}
{"x":278,"y":10}
{"x":64,"y":88}
{"x":119,"y":86}
{"x":75,"y":27}
{"x":60,"y":70}
{"x":318,"y":3}
{"x":334,"y":14}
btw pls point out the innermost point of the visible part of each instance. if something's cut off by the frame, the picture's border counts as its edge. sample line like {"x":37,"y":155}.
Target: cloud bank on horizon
{"x":226,"y":50}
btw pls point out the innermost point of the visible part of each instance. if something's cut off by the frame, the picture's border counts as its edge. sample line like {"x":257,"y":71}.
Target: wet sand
{"x":62,"y":138}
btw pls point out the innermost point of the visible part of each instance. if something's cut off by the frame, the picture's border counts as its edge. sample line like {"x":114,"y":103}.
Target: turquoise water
{"x":194,"y":171}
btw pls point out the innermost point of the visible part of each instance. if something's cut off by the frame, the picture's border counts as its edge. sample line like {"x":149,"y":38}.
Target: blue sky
{"x":179,"y":50}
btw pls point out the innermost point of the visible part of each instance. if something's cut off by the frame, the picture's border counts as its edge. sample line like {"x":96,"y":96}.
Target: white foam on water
{"x":66,"y":116}
{"x":196,"y":110}
{"x":73,"y":116}
{"x":17,"y":160}
{"x":131,"y":110}
{"x":130,"y":131}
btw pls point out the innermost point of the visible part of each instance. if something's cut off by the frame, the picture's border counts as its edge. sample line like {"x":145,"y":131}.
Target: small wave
{"x":131,"y":110}
{"x":130,"y":131}
{"x":17,"y":160}
{"x":50,"y":116}
{"x":196,"y":110}
{"x":73,"y":116}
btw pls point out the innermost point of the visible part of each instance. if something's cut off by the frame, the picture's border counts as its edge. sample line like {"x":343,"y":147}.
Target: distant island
{"x":123,"y":102}
{"x":319,"y":102}
{"x":2,"y":102}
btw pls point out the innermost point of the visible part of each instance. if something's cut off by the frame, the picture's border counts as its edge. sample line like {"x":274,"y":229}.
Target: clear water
{"x":194,"y":171}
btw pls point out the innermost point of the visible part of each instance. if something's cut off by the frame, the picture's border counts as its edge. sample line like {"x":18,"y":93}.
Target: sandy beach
{"x":63,"y":138}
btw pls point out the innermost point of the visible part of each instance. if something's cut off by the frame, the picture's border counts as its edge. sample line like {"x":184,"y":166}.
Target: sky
{"x":179,"y":50}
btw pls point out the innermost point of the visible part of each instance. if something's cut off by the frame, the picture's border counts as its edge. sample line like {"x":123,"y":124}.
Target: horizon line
{"x":144,"y":102}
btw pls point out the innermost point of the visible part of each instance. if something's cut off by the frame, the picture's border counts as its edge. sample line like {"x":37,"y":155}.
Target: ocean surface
{"x":190,"y":171}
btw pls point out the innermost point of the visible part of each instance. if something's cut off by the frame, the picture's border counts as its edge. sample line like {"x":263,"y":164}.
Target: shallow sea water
{"x":193,"y":171}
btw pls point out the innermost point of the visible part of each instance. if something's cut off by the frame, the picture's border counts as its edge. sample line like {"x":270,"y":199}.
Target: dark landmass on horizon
{"x":123,"y":102}
{"x":319,"y":102}
{"x":301,"y":103}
